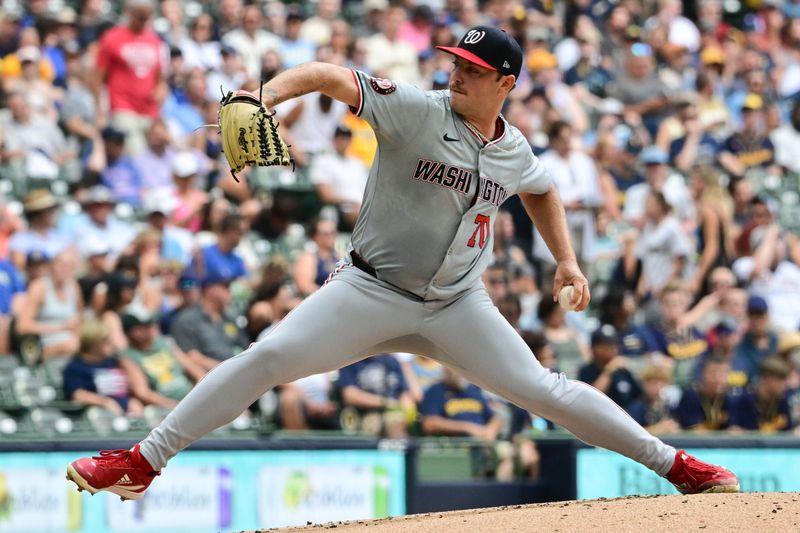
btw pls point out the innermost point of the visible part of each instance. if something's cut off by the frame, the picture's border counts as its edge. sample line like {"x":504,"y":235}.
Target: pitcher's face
{"x":473,"y":86}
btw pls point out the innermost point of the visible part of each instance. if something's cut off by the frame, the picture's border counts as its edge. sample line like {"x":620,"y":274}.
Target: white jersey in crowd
{"x":779,"y":287}
{"x":396,"y":59}
{"x":313,"y":130}
{"x":658,"y":246}
{"x":675,"y":192}
{"x":347,"y":176}
{"x":576,"y":180}
{"x":252,"y":49}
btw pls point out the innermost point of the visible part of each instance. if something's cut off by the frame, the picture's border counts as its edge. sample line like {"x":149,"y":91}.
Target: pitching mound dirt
{"x":766,"y":512}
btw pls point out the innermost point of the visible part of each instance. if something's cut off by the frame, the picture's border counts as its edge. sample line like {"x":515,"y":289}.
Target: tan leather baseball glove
{"x":249,"y":133}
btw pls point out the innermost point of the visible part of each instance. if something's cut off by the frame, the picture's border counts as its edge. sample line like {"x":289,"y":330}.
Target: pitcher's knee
{"x":266,"y":352}
{"x":544,"y":395}
{"x":278,"y":360}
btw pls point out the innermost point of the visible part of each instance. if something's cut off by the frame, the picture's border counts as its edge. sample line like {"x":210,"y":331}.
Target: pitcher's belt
{"x":361,"y":264}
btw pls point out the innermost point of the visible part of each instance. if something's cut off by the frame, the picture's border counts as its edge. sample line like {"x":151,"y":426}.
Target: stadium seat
{"x":54,"y":371}
{"x":27,"y":385}
{"x":104,"y":422}
{"x":7,"y":365}
{"x":268,"y":405}
{"x":8,"y":426}
{"x":440,"y":460}
{"x":154,"y":415}
{"x":48,"y":421}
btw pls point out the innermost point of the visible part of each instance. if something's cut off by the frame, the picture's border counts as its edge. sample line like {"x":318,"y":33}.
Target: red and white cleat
{"x":125,"y":473}
{"x":692,"y":476}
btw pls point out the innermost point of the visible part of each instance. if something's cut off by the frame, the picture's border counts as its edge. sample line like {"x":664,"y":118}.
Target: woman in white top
{"x":52,"y":309}
{"x":41,"y":212}
{"x":310,"y":123}
{"x":663,"y":248}
{"x":200,"y":49}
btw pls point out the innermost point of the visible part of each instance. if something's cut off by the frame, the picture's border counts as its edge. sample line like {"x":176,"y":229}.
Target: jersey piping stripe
{"x":357,"y":111}
{"x":505,"y":129}
{"x":480,"y":137}
{"x":335,"y":271}
{"x":620,"y":409}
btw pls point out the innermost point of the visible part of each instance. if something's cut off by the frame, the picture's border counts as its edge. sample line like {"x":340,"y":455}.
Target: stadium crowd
{"x":133,"y":263}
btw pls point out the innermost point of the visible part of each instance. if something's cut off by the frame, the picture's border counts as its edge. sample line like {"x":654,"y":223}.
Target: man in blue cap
{"x":759,"y":341}
{"x":655,"y":165}
{"x":203,"y":330}
{"x":608,"y":369}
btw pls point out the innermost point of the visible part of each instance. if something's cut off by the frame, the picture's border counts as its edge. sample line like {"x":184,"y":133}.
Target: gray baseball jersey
{"x":432,"y":170}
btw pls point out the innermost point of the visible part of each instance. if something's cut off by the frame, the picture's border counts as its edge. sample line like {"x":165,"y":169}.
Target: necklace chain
{"x":478,"y":132}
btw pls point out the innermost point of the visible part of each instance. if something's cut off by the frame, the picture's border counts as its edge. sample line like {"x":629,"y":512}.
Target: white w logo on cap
{"x":473,"y":36}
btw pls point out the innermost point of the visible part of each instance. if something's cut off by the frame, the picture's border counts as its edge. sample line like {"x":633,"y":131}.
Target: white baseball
{"x":565,"y":297}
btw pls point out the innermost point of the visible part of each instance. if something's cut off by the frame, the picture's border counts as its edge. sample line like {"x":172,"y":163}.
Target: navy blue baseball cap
{"x":188,"y":280}
{"x":228,"y":50}
{"x":215,"y":278}
{"x":605,"y":334}
{"x":726,"y":326}
{"x":757,"y":305}
{"x":36,"y":257}
{"x":112,"y":134}
{"x":489,"y":47}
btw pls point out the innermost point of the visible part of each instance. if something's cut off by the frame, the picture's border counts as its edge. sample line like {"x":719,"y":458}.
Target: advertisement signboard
{"x":604,"y":474}
{"x":207,"y":492}
{"x":30,"y":501}
{"x":295,"y":495}
{"x":190,"y":498}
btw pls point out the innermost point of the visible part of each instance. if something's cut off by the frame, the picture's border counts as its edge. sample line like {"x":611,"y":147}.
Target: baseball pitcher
{"x":411,"y":282}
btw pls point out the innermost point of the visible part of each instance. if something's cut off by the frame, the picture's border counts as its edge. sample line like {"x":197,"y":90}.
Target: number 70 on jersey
{"x":481,"y":233}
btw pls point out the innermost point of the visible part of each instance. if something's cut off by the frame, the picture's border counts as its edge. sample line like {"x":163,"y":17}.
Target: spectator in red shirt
{"x":130,"y":62}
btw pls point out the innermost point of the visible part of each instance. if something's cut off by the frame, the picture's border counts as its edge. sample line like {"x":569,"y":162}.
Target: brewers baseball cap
{"x":726,"y":326}
{"x":188,"y":280}
{"x":605,"y":334}
{"x":36,"y":257}
{"x":215,"y":278}
{"x":112,"y":134}
{"x":490,"y":48}
{"x":136,"y":315}
{"x":228,"y":50}
{"x":757,"y":305}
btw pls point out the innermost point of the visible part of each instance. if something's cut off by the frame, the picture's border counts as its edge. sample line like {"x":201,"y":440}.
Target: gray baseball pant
{"x":355,"y":316}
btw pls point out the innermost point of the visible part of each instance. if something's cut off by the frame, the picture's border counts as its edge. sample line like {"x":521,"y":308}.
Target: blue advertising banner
{"x":604,"y":474}
{"x":207,"y":492}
